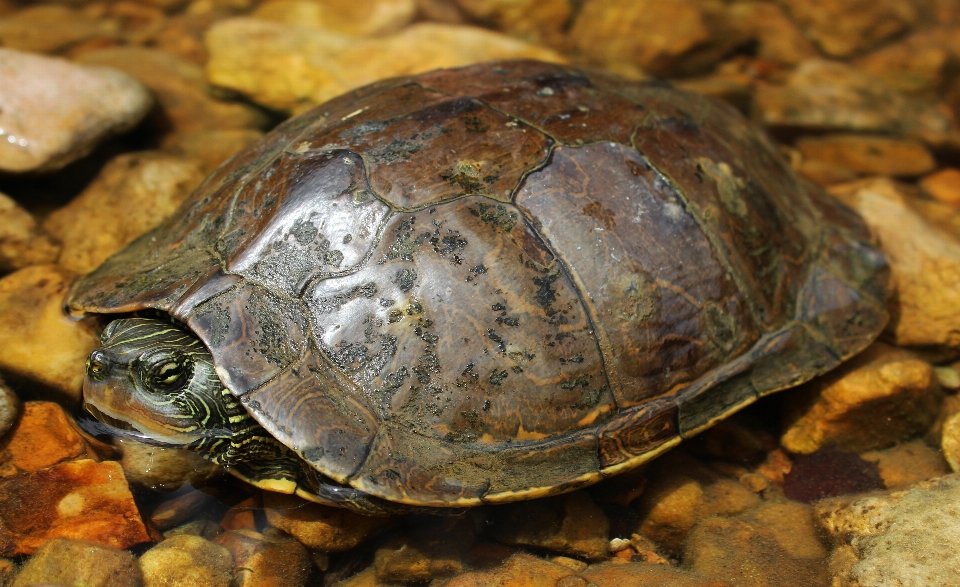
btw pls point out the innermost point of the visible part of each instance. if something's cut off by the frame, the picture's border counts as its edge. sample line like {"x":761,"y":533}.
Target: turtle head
{"x":155,"y":382}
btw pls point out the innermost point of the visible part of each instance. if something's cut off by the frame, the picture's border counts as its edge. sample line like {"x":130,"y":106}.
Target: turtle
{"x":474,"y":286}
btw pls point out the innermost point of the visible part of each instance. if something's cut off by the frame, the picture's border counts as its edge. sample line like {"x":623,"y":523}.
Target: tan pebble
{"x":9,"y":408}
{"x":133,"y":193}
{"x":43,"y":436}
{"x":572,"y":563}
{"x":869,"y":155}
{"x":78,"y":499}
{"x":618,"y":544}
{"x":537,"y":21}
{"x":882,"y":396}
{"x":210,"y":148}
{"x":776,"y":540}
{"x":571,"y":524}
{"x":842,"y":28}
{"x":754,"y":482}
{"x":689,"y":38}
{"x":164,"y":469}
{"x":48,"y":28}
{"x":263,"y":561}
{"x":944,"y":185}
{"x":950,"y":441}
{"x":572,"y":581}
{"x":908,"y":463}
{"x":187,"y":560}
{"x":360,"y":18}
{"x":919,"y":63}
{"x":262,"y":60}
{"x":203,"y":528}
{"x":316,"y":526}
{"x":777,"y":36}
{"x":824,"y":173}
{"x":948,"y":377}
{"x":621,"y":573}
{"x":520,"y":570}
{"x":412,"y":560}
{"x":37,"y":341}
{"x":22,"y":242}
{"x":79,"y":562}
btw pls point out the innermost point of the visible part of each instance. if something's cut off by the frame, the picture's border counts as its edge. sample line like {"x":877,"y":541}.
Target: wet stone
{"x":776,"y":541}
{"x":241,"y":516}
{"x":920,"y":63}
{"x":643,"y":574}
{"x":831,"y":96}
{"x":9,"y":408}
{"x":829,"y":472}
{"x":38,"y":342}
{"x":537,"y":21}
{"x":869,"y":155}
{"x":950,"y":441}
{"x":133,"y":193}
{"x":181,"y":508}
{"x":361,"y":18}
{"x":210,"y":148}
{"x":943,"y":185}
{"x":164,"y":469}
{"x":844,"y":27}
{"x":881,"y":396}
{"x":79,"y":562}
{"x":777,"y":36}
{"x":203,"y":528}
{"x":690,"y":37}
{"x":571,"y":524}
{"x":263,"y":60}
{"x":53,"y":112}
{"x":908,"y":463}
{"x":430,"y":547}
{"x":906,"y":537}
{"x":78,"y":499}
{"x":187,"y":560}
{"x":22,"y":242}
{"x":924,"y":261}
{"x":266,"y":561}
{"x":48,"y":28}
{"x":520,"y":570}
{"x":43,"y":436}
{"x":317,"y":526}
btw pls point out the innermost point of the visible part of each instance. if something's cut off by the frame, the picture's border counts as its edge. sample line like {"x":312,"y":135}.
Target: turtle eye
{"x":170,"y":375}
{"x":97,"y":365}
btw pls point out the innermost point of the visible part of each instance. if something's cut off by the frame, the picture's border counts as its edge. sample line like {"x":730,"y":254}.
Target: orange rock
{"x":844,"y":27}
{"x":642,"y":574}
{"x":881,"y":396}
{"x":241,"y":516}
{"x":43,"y":436}
{"x":22,"y":243}
{"x":908,"y":463}
{"x":869,"y":154}
{"x":318,"y":526}
{"x":266,"y":561}
{"x":520,"y":570}
{"x":943,"y":185}
{"x":82,"y":500}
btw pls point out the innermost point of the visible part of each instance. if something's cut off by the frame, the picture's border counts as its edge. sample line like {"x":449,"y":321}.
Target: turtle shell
{"x":504,"y":281}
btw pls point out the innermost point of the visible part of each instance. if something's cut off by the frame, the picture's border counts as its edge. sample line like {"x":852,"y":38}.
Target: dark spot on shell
{"x":497,"y":377}
{"x":496,"y":215}
{"x":405,"y":279}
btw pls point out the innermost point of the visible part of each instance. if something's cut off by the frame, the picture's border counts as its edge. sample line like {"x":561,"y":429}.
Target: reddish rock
{"x":43,"y":436}
{"x":241,"y":516}
{"x":82,"y":500}
{"x":316,"y":526}
{"x":829,"y":472}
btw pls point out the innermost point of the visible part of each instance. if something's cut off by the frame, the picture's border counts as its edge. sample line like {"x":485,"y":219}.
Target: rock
{"x":440,"y":11}
{"x":179,"y":509}
{"x":829,"y":472}
{"x":210,"y":148}
{"x":316,"y":526}
{"x":571,"y":524}
{"x":79,"y":562}
{"x":842,"y":28}
{"x":241,"y":516}
{"x":359,"y":18}
{"x":869,"y":155}
{"x":203,"y":528}
{"x":53,"y":112}
{"x":918,"y":64}
{"x":9,"y":409}
{"x":133,"y":193}
{"x":266,"y":561}
{"x":924,"y":262}
{"x":37,"y":341}
{"x":682,"y":492}
{"x":187,"y":560}
{"x":881,"y":396}
{"x":948,"y":377}
{"x":642,"y":574}
{"x":164,"y":469}
{"x":48,"y":28}
{"x":22,"y":243}
{"x":83,"y":500}
{"x":520,"y":570}
{"x":824,"y":95}
{"x":778,"y":38}
{"x":774,"y":544}
{"x":944,"y":185}
{"x":183,"y":96}
{"x":43,"y":436}
{"x":902,"y":538}
{"x":950,"y":441}
{"x":663,"y":37}
{"x":266,"y":61}
{"x":432,"y":548}
{"x":537,"y":21}
{"x":908,"y":463}
{"x":826,"y":174}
